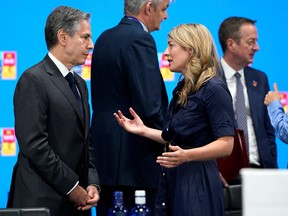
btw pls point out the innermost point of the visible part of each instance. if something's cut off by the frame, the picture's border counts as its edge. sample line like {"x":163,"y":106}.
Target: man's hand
{"x":272,"y":96}
{"x":94,"y":197}
{"x":79,"y":197}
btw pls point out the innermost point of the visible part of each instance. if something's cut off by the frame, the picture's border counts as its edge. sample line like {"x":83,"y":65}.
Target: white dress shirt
{"x":64,"y":71}
{"x":231,"y":82}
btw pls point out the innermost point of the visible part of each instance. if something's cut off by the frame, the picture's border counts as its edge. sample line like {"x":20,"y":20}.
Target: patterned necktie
{"x":72,"y":83}
{"x":241,"y":111}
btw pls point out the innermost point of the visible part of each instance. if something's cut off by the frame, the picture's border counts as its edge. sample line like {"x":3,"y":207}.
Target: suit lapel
{"x":61,"y":83}
{"x":251,"y":91}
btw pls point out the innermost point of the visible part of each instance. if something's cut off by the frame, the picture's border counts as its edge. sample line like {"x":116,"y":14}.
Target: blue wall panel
{"x":22,"y":30}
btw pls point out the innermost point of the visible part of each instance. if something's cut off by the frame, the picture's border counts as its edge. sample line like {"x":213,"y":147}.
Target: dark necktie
{"x":241,"y":112}
{"x":72,"y":83}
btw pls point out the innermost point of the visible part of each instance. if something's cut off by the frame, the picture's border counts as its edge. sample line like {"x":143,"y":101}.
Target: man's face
{"x":245,"y":49}
{"x":157,"y":15}
{"x":78,"y":46}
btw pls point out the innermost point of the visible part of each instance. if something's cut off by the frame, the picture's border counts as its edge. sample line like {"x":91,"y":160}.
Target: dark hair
{"x":229,"y":28}
{"x":63,"y":17}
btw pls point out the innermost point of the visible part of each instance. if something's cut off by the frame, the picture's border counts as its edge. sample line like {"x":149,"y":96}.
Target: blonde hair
{"x":203,"y":62}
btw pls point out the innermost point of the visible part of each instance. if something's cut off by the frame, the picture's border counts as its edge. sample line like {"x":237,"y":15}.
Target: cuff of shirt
{"x":73,"y":188}
{"x":97,"y":186}
{"x":274,"y":104}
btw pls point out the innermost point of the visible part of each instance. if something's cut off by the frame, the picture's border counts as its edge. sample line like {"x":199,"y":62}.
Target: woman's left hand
{"x":174,"y":158}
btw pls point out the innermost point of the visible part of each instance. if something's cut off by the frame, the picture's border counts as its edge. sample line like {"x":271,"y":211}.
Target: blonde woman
{"x":199,"y":126}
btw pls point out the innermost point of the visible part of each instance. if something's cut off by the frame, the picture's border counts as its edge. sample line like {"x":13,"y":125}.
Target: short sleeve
{"x":219,"y":109}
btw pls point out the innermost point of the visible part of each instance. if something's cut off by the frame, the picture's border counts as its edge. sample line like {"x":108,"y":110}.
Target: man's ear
{"x":62,"y":36}
{"x":230,"y":43}
{"x":148,"y":8}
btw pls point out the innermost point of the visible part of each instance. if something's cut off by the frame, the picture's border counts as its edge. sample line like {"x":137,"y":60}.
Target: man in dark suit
{"x":125,"y":73}
{"x":239,"y":41}
{"x":54,"y":169}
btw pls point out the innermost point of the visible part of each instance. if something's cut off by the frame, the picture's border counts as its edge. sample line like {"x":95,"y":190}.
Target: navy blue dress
{"x":194,"y":188}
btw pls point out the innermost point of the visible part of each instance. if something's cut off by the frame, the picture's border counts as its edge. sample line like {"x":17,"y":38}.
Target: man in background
{"x":52,"y":122}
{"x":239,"y":42}
{"x":125,"y":73}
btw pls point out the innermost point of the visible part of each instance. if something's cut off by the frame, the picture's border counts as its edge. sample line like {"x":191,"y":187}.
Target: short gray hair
{"x":63,"y":17}
{"x":134,"y":6}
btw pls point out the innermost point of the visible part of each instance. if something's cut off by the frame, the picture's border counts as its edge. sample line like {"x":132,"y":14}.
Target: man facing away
{"x":125,"y":73}
{"x":239,"y":41}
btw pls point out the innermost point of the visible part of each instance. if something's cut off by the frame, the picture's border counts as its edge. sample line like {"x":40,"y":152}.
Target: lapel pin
{"x":254,"y":83}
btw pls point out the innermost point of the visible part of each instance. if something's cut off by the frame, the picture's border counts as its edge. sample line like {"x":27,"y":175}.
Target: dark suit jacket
{"x":257,"y":87}
{"x":53,"y":138}
{"x":125,"y":73}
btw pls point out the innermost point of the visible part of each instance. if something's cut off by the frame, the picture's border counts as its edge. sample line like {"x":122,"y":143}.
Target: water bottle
{"x":140,"y":208}
{"x":118,"y":208}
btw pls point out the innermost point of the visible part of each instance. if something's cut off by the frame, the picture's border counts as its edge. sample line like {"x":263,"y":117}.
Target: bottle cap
{"x":118,"y":197}
{"x":118,"y":193}
{"x":140,"y":197}
{"x":140,"y":193}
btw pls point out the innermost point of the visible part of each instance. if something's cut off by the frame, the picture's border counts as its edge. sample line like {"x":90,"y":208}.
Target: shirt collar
{"x":144,"y":27}
{"x":64,"y":71}
{"x":229,"y":71}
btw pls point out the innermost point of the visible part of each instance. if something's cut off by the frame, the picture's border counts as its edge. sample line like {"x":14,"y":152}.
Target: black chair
{"x":24,"y":212}
{"x":233,"y":200}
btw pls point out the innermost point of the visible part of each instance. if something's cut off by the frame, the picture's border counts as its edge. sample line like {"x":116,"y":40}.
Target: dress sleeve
{"x":220,"y":110}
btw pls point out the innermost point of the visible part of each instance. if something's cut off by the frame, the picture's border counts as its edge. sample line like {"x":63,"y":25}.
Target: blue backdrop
{"x":22,"y":31}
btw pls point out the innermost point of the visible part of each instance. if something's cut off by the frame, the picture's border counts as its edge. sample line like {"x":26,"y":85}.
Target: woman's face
{"x":177,"y":56}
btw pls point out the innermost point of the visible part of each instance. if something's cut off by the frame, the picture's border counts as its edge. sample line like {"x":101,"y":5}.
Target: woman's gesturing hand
{"x":134,"y":125}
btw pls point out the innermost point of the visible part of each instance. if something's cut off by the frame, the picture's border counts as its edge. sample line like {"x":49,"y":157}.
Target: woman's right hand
{"x":134,"y":125}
